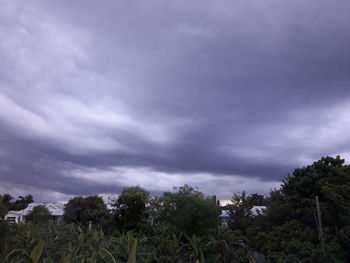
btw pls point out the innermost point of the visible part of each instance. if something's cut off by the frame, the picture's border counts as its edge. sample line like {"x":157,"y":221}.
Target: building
{"x":13,"y":217}
{"x":255,"y":210}
{"x":224,"y":217}
{"x":56,"y":210}
{"x":258,"y":210}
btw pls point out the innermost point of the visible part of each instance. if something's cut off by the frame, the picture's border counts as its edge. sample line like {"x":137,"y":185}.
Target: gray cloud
{"x":96,"y":96}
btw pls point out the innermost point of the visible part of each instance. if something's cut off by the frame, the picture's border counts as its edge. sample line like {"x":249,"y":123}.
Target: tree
{"x":39,"y":214}
{"x":189,"y":210}
{"x":329,"y":179}
{"x":277,"y":209}
{"x":240,"y":212}
{"x":291,"y":232}
{"x":6,"y":199}
{"x":3,"y":208}
{"x":5,"y":203}
{"x":20,"y":203}
{"x":256,"y":199}
{"x":131,"y":207}
{"x":85,"y":209}
{"x":228,"y":246}
{"x":292,"y":242}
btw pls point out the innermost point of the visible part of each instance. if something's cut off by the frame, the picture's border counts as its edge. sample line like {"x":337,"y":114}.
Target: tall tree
{"x":293,"y":206}
{"x":240,"y":212}
{"x":21,"y":203}
{"x":189,"y":210}
{"x":329,"y":179}
{"x":3,"y":208}
{"x":5,"y":204}
{"x":256,"y":199}
{"x":131,"y":207}
{"x":39,"y":214}
{"x":85,"y":209}
{"x":6,"y":200}
{"x":277,"y":209}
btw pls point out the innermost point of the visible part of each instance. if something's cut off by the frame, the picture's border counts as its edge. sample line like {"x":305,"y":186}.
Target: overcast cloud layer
{"x":226,"y":95}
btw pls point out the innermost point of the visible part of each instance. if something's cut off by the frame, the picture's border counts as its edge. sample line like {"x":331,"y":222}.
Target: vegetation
{"x":188,"y":210}
{"x":288,"y":230}
{"x":84,"y":210}
{"x":70,"y":243}
{"x":18,"y":204}
{"x":40,"y":214}
{"x":3,"y":208}
{"x":183,"y":225}
{"x":131,"y":208}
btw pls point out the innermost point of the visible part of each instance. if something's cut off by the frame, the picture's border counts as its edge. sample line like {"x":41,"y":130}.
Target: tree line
{"x":184,"y":225}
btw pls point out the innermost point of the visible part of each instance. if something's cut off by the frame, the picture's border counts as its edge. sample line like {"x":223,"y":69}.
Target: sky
{"x":224,"y":95}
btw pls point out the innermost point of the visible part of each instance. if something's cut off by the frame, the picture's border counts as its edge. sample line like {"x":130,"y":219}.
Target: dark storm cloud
{"x":95,"y":96}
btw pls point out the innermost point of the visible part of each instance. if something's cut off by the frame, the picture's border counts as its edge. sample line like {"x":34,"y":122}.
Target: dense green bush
{"x":189,"y":210}
{"x":40,"y":214}
{"x":70,"y":243}
{"x":86,"y":210}
{"x":287,"y":231}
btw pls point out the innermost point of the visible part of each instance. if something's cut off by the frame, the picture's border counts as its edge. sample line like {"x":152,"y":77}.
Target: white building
{"x":13,"y":217}
{"x":258,"y":210}
{"x":225,"y":215}
{"x":56,"y":210}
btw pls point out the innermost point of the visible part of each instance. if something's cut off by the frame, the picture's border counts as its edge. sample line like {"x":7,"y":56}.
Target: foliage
{"x":84,"y":210}
{"x":182,"y":226}
{"x":189,"y":210}
{"x":288,"y":233}
{"x":240,"y":212}
{"x":277,"y":209}
{"x":256,"y":199}
{"x":6,"y":200}
{"x":294,"y":243}
{"x":68,"y":243}
{"x":21,"y":203}
{"x":228,"y":246}
{"x":328,"y":179}
{"x":4,"y":235}
{"x":21,"y":254}
{"x":3,"y":208}
{"x":39,"y":214}
{"x":131,"y":208}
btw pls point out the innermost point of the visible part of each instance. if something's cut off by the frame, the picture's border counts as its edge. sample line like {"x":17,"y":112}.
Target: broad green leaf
{"x":132,"y":250}
{"x":37,"y":251}
{"x":106,"y":256}
{"x":47,"y":260}
{"x":13,"y":252}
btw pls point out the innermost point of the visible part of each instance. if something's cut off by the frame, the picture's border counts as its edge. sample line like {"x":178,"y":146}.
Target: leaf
{"x":106,"y":256}
{"x":81,"y":238}
{"x":13,"y":252}
{"x":37,"y":251}
{"x":47,"y":260}
{"x":132,"y":250}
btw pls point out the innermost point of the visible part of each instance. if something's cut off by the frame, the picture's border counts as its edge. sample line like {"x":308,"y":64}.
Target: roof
{"x":55,"y":209}
{"x":224,"y":213}
{"x":17,"y":213}
{"x":256,"y":210}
